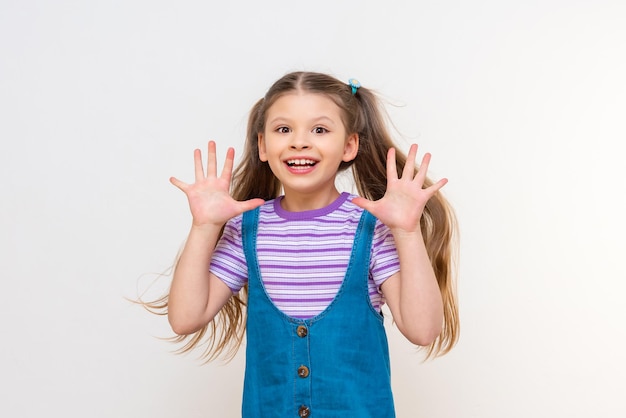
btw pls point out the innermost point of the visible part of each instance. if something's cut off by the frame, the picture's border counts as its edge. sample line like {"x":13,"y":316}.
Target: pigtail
{"x":252,"y":178}
{"x":438,"y":222}
{"x":223,"y":336}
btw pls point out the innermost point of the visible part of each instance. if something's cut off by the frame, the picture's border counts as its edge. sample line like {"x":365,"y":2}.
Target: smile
{"x":301,"y":163}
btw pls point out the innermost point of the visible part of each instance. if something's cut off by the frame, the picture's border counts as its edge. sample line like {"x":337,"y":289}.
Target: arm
{"x":196,"y":295}
{"x":413,"y":293}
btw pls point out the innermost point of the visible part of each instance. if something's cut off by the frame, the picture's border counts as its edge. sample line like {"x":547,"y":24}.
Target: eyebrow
{"x":318,"y":119}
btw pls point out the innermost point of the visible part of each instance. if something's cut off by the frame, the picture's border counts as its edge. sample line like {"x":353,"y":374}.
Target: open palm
{"x":209,"y":196}
{"x":405,"y":198}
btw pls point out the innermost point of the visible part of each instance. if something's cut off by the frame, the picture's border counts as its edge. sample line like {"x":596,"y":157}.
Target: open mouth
{"x":301,"y":163}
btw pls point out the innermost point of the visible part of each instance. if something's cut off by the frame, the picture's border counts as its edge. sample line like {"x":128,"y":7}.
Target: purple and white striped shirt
{"x":303,"y":256}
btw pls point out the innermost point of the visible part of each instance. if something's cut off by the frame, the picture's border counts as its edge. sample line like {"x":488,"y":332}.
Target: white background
{"x":522,"y":104}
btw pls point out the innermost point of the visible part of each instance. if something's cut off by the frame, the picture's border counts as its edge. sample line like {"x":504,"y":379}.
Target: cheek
{"x":270,"y":153}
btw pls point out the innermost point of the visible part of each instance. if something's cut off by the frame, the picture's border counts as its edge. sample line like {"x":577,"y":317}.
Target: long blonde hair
{"x":252,"y":178}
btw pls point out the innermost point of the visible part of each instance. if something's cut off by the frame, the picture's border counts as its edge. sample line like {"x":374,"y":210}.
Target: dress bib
{"x":335,"y":364}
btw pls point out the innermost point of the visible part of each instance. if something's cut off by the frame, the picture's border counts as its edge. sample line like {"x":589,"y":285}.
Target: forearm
{"x":419,"y":306}
{"x":189,"y":292}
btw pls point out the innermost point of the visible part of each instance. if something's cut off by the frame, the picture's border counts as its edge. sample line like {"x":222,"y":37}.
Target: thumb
{"x":250,"y":204}
{"x":179,"y":184}
{"x":363,"y":203}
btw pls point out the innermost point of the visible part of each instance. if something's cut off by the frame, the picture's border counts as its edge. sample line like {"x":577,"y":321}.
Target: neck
{"x":299,"y":202}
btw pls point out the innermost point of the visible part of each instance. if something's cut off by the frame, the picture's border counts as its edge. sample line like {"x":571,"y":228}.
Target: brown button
{"x":304,"y":411}
{"x":302,"y":331}
{"x":303,"y":371}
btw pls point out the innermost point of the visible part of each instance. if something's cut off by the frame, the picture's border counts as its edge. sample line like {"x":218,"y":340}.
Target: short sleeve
{"x":384,"y":260}
{"x":229,"y":261}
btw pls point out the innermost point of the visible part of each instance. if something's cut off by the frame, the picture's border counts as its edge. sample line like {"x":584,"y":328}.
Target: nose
{"x":299,"y":141}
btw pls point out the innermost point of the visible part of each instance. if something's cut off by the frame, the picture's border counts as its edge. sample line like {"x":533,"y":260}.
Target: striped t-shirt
{"x":303,"y":256}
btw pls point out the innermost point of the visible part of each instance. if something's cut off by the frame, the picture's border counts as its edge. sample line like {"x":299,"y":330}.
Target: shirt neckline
{"x":309,"y":214}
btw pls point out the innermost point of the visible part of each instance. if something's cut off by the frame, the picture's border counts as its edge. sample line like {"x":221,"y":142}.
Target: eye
{"x":283,"y":130}
{"x":320,"y":130}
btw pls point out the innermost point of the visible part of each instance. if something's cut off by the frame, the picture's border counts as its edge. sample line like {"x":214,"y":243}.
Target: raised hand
{"x":405,"y":198}
{"x":209,"y":196}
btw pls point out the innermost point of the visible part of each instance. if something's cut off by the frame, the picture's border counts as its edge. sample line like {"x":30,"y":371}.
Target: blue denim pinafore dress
{"x":335,"y":364}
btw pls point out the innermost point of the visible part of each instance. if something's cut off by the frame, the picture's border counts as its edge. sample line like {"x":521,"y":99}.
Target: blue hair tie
{"x":354,"y":83}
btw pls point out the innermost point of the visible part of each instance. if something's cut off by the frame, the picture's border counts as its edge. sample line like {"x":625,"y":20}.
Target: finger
{"x":228,"y":164}
{"x":392,"y":172}
{"x":197,"y":163}
{"x":423,"y":169}
{"x":211,"y":163}
{"x":409,"y":166}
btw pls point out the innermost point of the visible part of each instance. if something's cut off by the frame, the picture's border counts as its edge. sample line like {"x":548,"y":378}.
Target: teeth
{"x":300,"y":162}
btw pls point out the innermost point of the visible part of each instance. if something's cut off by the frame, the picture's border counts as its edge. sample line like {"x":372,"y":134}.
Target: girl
{"x":312,"y":265}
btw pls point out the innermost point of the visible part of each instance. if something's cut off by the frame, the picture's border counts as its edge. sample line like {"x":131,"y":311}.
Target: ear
{"x":351,"y":148}
{"x":261,"y":144}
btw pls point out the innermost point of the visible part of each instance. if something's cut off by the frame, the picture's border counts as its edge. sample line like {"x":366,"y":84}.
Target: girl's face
{"x":304,"y":143}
